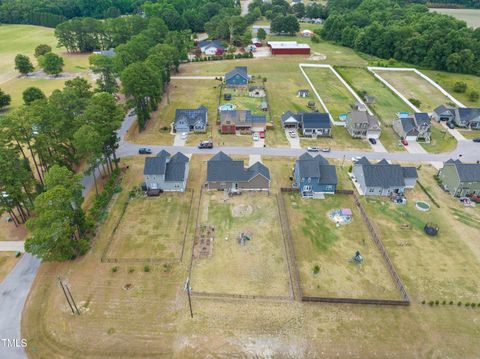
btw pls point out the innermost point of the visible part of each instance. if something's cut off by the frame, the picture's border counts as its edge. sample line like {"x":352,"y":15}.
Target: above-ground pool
{"x":343,"y":117}
{"x":422,"y":206}
{"x":403,"y":114}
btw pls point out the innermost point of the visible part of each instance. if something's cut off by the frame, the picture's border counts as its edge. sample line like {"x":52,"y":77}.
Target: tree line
{"x":408,"y":33}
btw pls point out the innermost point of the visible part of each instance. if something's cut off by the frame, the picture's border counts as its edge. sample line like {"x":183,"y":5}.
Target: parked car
{"x":262,"y":134}
{"x":313,"y":149}
{"x":255,"y":136}
{"x":372,"y":141}
{"x":205,"y":144}
{"x":184,"y":136}
{"x":404,"y":142}
{"x":144,"y":151}
{"x":326,"y":149}
{"x":356,"y":158}
{"x":476,"y":139}
{"x":465,"y":200}
{"x":450,"y":125}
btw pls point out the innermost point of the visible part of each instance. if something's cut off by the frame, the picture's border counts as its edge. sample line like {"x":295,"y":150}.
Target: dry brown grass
{"x":8,"y":231}
{"x":7,"y":262}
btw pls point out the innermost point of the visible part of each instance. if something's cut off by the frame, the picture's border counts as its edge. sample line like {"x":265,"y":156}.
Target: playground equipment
{"x":422,"y":206}
{"x":431,"y":229}
{"x":357,"y":258}
{"x":341,"y":216}
{"x":244,"y":237}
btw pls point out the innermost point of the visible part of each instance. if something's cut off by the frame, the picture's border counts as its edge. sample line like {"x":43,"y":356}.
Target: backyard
{"x":324,"y":251}
{"x":152,"y":227}
{"x":258,"y":267}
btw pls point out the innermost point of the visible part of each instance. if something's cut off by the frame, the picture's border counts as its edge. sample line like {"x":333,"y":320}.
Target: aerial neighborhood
{"x":264,"y":179}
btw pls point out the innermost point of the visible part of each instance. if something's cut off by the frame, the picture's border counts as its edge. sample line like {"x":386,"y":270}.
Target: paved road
{"x":195,"y":77}
{"x":12,"y":246}
{"x":13,"y":293}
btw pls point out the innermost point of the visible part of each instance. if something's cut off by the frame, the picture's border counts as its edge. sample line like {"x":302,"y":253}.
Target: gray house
{"x":224,"y":173}
{"x":312,"y":124}
{"x":195,"y":120}
{"x":413,"y":127}
{"x":460,"y":179}
{"x":383,"y":178}
{"x":165,"y":172}
{"x":360,"y":124}
{"x":314,"y":176}
{"x":290,"y":120}
{"x":467,"y":117}
{"x":443,"y":113}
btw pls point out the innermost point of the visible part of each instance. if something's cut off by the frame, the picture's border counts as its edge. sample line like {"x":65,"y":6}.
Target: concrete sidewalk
{"x":12,"y":246}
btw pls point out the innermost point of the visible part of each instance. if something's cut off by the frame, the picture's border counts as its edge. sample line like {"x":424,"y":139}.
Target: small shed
{"x":227,"y":96}
{"x":369,"y":99}
{"x":264,"y":106}
{"x":302,"y":93}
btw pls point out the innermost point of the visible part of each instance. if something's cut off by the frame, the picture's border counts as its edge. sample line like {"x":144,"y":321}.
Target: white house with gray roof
{"x":413,"y":127}
{"x":224,"y":173}
{"x":191,"y":120}
{"x":165,"y":172}
{"x":383,"y":178}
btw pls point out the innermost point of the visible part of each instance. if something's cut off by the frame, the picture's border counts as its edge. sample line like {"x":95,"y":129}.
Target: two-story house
{"x":165,"y":172}
{"x":460,"y":179}
{"x":360,"y":124}
{"x":413,"y":127}
{"x":237,"y":77}
{"x":191,"y":120}
{"x":314,"y":176}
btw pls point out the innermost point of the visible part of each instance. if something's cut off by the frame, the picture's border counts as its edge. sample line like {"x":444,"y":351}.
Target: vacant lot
{"x":470,"y":16}
{"x":7,"y":262}
{"x":319,"y":243}
{"x":386,"y":105}
{"x":152,"y":227}
{"x":256,"y":268}
{"x":410,"y":85}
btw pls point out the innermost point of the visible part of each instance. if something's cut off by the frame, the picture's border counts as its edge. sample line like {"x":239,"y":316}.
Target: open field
{"x":447,"y":80}
{"x":411,"y":85}
{"x":386,"y":105}
{"x":470,"y":16}
{"x":318,"y":242}
{"x":152,"y":227}
{"x":256,"y":268}
{"x":154,"y":314}
{"x":7,"y":262}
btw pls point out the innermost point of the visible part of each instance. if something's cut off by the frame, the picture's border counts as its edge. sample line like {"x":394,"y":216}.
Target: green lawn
{"x":441,"y":140}
{"x":386,"y":105}
{"x":470,"y":134}
{"x":242,"y":101}
{"x":318,"y":242}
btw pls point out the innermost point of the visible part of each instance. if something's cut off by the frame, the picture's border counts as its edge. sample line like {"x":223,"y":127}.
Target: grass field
{"x":242,"y":101}
{"x":257,"y":268}
{"x":441,"y":140}
{"x":319,"y":243}
{"x":154,"y":314}
{"x":386,"y":105}
{"x":447,"y":80}
{"x":410,"y":85}
{"x":7,"y":262}
{"x":152,"y":227}
{"x":470,"y":134}
{"x":470,"y":16}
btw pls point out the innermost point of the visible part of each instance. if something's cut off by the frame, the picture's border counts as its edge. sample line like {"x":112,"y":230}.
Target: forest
{"x":406,"y":33}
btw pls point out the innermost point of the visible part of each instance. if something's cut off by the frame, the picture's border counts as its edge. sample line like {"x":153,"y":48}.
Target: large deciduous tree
{"x":51,"y":63}
{"x":23,"y":64}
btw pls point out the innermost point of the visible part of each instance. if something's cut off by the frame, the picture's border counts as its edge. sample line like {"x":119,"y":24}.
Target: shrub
{"x":423,"y":302}
{"x":437,"y":302}
{"x":114,"y":269}
{"x":315,"y":39}
{"x":430,"y":303}
{"x":467,"y":304}
{"x":350,"y":169}
{"x":146,"y":268}
{"x":473,"y":305}
{"x":316,"y":269}
{"x":460,"y":87}
{"x":459,"y":303}
{"x":444,"y":302}
{"x":451,"y":302}
{"x":473,"y":96}
{"x":415,"y":102}
{"x":131,"y":270}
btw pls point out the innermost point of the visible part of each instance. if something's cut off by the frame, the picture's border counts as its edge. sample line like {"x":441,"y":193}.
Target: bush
{"x":415,"y":102}
{"x":131,"y":270}
{"x":430,"y":303}
{"x":437,"y":302}
{"x":459,"y":303}
{"x":474,"y":95}
{"x":467,"y":304}
{"x":350,"y":169}
{"x":473,"y":305}
{"x":316,"y":269}
{"x":451,"y":302}
{"x":114,"y":269}
{"x":315,"y":39}
{"x":444,"y":302}
{"x":146,"y":268}
{"x":423,"y":302}
{"x":98,"y":211}
{"x":460,"y":87}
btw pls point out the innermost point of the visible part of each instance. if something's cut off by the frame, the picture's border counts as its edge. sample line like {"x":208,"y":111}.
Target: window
{"x":371,"y":190}
{"x":307,"y":188}
{"x":309,"y":179}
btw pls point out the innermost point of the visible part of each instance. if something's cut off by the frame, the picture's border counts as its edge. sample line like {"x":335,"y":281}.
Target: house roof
{"x":440,"y":110}
{"x":408,"y":125}
{"x":192,"y":116}
{"x":421,"y":118}
{"x":467,"y":172}
{"x":363,"y":161}
{"x":315,"y":120}
{"x":287,"y":45}
{"x":302,"y":91}
{"x":239,"y":70}
{"x":210,"y":43}
{"x":364,"y":117}
{"x":173,"y":168}
{"x":242,"y":117}
{"x":369,"y":99}
{"x":466,"y":115}
{"x":289,"y":117}
{"x":222,"y":168}
{"x":385,"y":175}
{"x":179,"y":158}
{"x":316,"y":167}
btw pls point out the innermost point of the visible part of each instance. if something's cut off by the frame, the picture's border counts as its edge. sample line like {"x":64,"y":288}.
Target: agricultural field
{"x":470,"y":16}
{"x":7,"y":262}
{"x":324,"y":252}
{"x":258,"y":267}
{"x":152,"y":227}
{"x":386,"y":105}
{"x":410,"y":85}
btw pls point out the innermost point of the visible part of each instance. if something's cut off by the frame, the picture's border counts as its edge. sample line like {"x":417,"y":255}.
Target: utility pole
{"x":189,"y":298}
{"x":73,"y":301}
{"x":65,"y":293}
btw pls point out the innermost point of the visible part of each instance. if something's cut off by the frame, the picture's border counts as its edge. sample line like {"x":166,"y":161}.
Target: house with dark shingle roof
{"x":314,"y":176}
{"x":467,"y":117}
{"x":460,"y":179}
{"x":290,"y":120}
{"x":242,"y":121}
{"x":237,"y":77}
{"x":413,"y":127}
{"x":360,"y":124}
{"x":165,"y":172}
{"x":443,"y":113}
{"x":191,"y":120}
{"x":224,"y":173}
{"x":312,"y":124}
{"x":383,"y":178}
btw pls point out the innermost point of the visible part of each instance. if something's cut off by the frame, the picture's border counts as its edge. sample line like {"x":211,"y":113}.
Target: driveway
{"x":12,"y":246}
{"x":178,"y":141}
{"x":378,"y":147}
{"x":454,"y":132}
{"x":254,"y":158}
{"x":294,"y":142}
{"x":13,"y":293}
{"x":263,"y":51}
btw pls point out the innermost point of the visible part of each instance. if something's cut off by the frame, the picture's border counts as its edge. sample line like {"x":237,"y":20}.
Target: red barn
{"x":288,"y":48}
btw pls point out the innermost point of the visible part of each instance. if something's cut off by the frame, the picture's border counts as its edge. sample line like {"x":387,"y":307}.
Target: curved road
{"x":14,"y":289}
